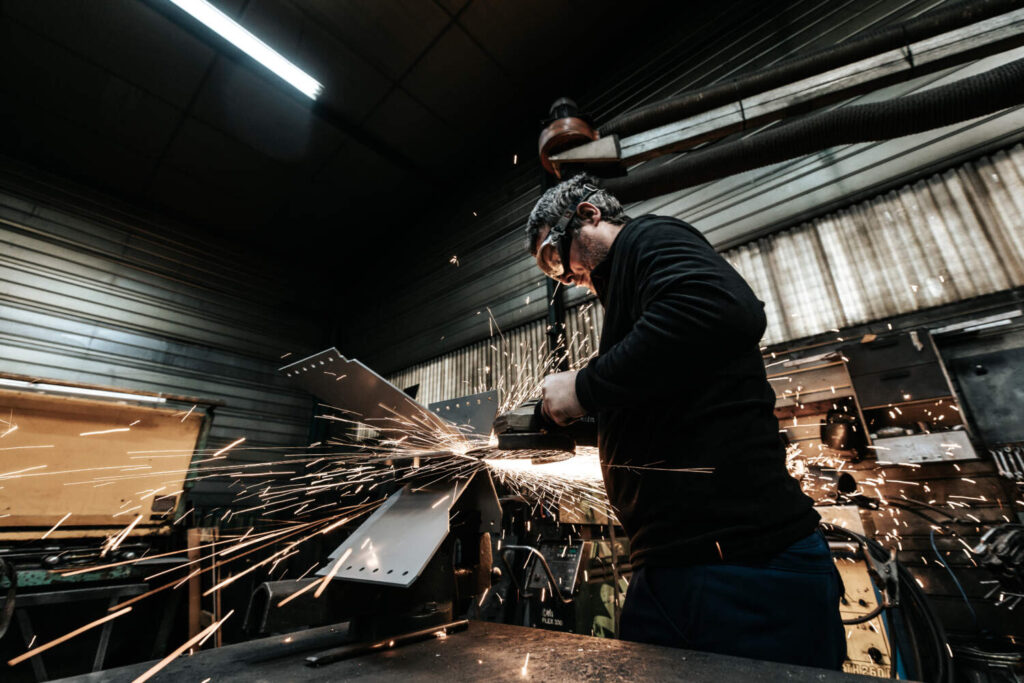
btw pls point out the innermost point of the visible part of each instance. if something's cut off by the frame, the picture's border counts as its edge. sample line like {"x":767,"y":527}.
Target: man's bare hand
{"x":560,"y":402}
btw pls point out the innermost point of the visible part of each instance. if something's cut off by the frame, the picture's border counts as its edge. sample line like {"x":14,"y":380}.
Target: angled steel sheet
{"x":474,"y":413}
{"x":349,"y":385}
{"x":397,"y":541}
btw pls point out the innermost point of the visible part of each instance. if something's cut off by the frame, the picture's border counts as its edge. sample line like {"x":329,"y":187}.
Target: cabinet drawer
{"x":888,"y":353}
{"x":900,"y":385}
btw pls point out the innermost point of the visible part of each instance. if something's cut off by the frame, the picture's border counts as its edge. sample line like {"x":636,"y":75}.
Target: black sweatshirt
{"x":679,"y":382}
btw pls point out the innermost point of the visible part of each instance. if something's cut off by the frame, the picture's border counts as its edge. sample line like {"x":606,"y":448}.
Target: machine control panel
{"x":564,"y":560}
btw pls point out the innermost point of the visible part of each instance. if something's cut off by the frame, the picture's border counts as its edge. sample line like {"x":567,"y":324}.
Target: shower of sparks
{"x":331,"y":574}
{"x":573,"y":482}
{"x":14,"y":474}
{"x":106,"y":431}
{"x":198,"y":638}
{"x":304,"y":589}
{"x":67,"y":636}
{"x":303,"y":492}
{"x":116,"y":540}
{"x":352,"y":468}
{"x":298,"y":493}
{"x":54,"y":527}
{"x":228,"y":447}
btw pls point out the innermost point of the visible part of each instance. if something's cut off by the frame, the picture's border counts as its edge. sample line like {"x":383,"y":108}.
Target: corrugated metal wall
{"x":947,"y":238}
{"x":512,"y":362}
{"x":98,"y":297}
{"x":435,"y":310}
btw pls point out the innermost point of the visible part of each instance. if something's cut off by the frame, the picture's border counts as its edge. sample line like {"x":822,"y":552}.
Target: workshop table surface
{"x":496,"y":652}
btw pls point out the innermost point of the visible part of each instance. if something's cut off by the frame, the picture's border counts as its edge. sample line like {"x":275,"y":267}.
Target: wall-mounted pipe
{"x":896,"y":36}
{"x":978,"y":95}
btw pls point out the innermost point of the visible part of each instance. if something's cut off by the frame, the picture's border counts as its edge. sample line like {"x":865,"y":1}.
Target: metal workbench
{"x":489,"y":651}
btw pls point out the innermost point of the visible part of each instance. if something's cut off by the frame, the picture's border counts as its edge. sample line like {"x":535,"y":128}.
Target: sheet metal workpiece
{"x":472,"y":413}
{"x":349,"y":385}
{"x":485,"y":651}
{"x":396,"y":542}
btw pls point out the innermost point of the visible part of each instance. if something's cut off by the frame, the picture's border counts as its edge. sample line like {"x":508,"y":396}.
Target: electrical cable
{"x":6,"y":568}
{"x":894,"y":653}
{"x":943,"y":657}
{"x":616,"y":589}
{"x":923,"y":504}
{"x":945,"y":563}
{"x":555,"y":590}
{"x":915,"y":607}
{"x":915,"y":649}
{"x":866,"y":617}
{"x":918,"y":513}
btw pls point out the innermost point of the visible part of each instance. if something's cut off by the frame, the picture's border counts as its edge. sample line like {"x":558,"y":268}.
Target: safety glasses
{"x":553,"y":253}
{"x":550,"y":261}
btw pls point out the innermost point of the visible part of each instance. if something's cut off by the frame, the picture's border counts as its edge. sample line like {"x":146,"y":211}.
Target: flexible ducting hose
{"x":965,"y":99}
{"x":790,"y":71}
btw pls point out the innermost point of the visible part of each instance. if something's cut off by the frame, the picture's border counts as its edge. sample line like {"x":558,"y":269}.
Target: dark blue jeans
{"x":784,"y":609}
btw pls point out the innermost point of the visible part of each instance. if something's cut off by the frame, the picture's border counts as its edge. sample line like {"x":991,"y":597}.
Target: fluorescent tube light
{"x":82,"y":391}
{"x":231,"y":31}
{"x":995,"y":320}
{"x":985,"y":326}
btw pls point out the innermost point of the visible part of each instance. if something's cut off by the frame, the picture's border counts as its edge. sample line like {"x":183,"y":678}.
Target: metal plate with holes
{"x":353,"y":387}
{"x":476,"y":411}
{"x":934,"y":447}
{"x":397,"y":541}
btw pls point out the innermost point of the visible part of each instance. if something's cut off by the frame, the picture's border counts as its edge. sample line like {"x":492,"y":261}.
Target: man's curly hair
{"x":565,"y":195}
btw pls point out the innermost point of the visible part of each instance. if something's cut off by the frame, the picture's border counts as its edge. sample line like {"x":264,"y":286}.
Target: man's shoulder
{"x":652,"y":229}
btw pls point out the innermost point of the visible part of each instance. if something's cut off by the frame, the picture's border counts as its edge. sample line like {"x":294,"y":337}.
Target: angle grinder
{"x":526,"y":427}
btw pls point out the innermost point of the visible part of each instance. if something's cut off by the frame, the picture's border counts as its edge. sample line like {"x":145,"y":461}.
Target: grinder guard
{"x":528,"y":428}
